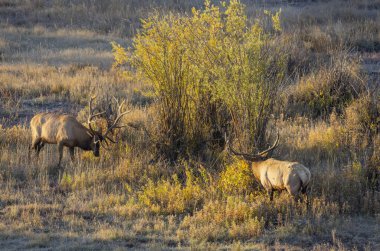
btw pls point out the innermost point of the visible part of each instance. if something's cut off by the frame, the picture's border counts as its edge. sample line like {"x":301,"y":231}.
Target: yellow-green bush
{"x":237,"y":178}
{"x":171,"y":196}
{"x":202,"y":66}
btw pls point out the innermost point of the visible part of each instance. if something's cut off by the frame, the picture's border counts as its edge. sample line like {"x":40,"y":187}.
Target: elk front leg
{"x":270,"y":194}
{"x":71,"y":150}
{"x":35,"y":143}
{"x":39,"y":147}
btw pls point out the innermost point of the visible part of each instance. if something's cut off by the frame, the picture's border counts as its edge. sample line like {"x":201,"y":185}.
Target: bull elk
{"x":277,"y":174}
{"x":65,"y":130}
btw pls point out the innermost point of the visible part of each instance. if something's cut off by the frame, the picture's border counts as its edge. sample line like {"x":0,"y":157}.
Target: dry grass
{"x":54,"y":55}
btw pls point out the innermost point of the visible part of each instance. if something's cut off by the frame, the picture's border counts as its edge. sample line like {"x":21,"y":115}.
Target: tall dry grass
{"x":123,"y":197}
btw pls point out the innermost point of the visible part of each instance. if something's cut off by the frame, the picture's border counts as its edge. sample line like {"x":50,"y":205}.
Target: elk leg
{"x":304,"y":191}
{"x":294,"y":193}
{"x":35,"y":143}
{"x":60,"y":150}
{"x":71,"y":150}
{"x":270,"y":194}
{"x":39,"y":147}
{"x":299,"y":198}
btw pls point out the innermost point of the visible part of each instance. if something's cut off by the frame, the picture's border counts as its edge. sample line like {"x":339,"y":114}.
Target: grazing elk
{"x":65,"y":130}
{"x":277,"y":174}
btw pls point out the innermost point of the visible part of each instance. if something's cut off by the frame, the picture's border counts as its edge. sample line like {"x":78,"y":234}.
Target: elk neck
{"x":85,"y":142}
{"x":255,"y":166}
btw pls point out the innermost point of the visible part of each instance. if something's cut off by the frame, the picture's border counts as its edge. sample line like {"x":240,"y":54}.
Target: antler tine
{"x":95,"y":115}
{"x":272,"y":147}
{"x":116,"y":121}
{"x":120,"y":107}
{"x":90,"y":108}
{"x":91,"y":115}
{"x":116,"y":100}
{"x":246,"y":156}
{"x":91,"y":111}
{"x":253,"y":157}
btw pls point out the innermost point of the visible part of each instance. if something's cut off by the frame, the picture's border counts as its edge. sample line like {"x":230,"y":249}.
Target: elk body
{"x":65,"y":131}
{"x":277,"y":174}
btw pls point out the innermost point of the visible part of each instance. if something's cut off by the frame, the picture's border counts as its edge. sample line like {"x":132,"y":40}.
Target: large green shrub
{"x":204,"y":68}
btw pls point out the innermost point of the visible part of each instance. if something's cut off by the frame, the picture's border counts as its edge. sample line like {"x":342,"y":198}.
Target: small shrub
{"x":331,"y":88}
{"x":236,"y":179}
{"x":171,"y":197}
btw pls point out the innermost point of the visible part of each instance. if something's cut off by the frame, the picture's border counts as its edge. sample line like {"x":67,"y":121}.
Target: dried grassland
{"x":55,"y":54}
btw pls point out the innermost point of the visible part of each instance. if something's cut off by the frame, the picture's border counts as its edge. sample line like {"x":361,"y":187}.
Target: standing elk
{"x":277,"y":174}
{"x":65,"y":130}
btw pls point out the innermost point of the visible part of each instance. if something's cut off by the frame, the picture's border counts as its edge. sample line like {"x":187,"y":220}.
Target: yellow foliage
{"x":214,"y":57}
{"x":170,"y":196}
{"x":236,"y":178}
{"x":119,"y":53}
{"x":66,"y":181}
{"x":275,"y":19}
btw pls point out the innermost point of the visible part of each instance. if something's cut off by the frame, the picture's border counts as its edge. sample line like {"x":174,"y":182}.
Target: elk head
{"x":98,"y":138}
{"x":254,"y":157}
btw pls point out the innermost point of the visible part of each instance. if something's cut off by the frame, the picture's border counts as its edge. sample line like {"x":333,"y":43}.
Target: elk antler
{"x":270,"y":149}
{"x":115,"y":123}
{"x":92,"y":116}
{"x":254,"y":157}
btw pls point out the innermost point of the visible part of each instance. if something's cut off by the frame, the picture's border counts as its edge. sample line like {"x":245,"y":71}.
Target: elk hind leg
{"x":304,"y":191}
{"x":60,"y":151}
{"x":294,"y":192}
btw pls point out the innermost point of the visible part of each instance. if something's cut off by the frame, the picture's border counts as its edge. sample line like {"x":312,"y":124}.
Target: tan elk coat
{"x":282,"y":175}
{"x":65,"y":130}
{"x":276,"y":174}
